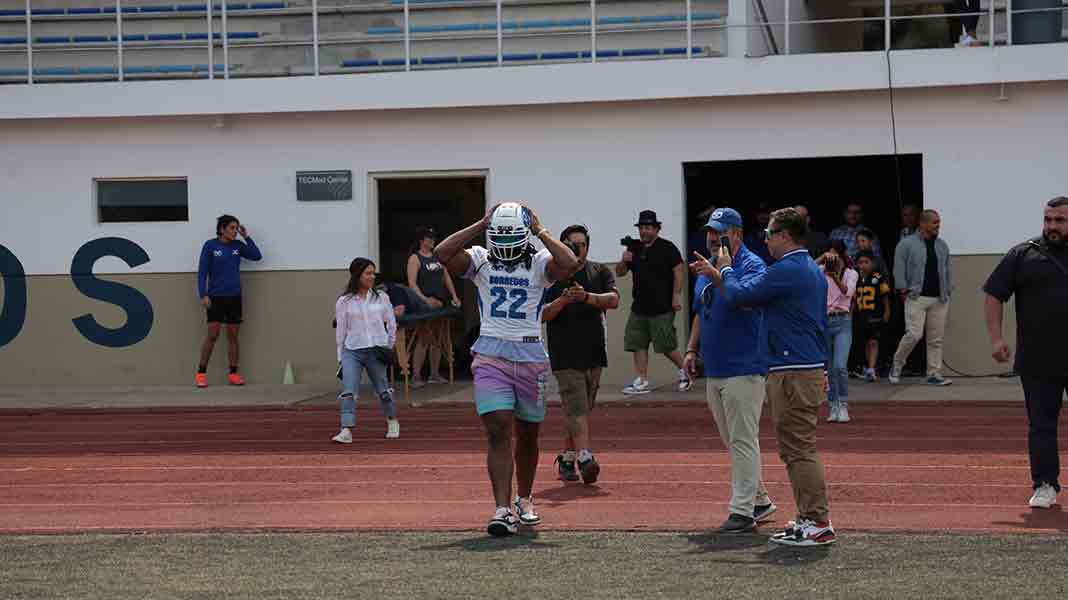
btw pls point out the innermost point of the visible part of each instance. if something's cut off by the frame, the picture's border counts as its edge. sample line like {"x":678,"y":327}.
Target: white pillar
{"x":737,"y":34}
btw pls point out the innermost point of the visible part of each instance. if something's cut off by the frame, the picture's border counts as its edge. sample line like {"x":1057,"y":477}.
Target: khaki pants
{"x":923,"y":314}
{"x":736,"y":403}
{"x":795,"y":397}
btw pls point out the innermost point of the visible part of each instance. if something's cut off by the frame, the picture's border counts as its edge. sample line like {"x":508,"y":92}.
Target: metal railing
{"x":687,"y":24}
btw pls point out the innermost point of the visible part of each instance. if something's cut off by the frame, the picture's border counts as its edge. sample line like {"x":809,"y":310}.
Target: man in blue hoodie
{"x":219,"y":290}
{"x":729,"y":340}
{"x":793,"y":294}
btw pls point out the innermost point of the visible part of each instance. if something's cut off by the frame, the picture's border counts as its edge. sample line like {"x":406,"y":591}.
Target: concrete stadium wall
{"x":988,"y":166}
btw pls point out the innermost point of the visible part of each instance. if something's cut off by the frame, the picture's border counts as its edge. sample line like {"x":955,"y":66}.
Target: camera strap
{"x":1041,"y":250}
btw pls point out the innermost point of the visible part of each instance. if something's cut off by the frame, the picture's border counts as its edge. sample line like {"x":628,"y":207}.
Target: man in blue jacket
{"x":729,"y":340}
{"x":219,"y":290}
{"x":793,"y":293}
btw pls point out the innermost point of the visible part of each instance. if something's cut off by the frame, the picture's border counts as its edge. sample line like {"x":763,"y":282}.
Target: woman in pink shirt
{"x":841,"y":287}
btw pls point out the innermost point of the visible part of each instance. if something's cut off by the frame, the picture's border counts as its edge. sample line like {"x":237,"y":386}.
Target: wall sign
{"x":314,"y":186}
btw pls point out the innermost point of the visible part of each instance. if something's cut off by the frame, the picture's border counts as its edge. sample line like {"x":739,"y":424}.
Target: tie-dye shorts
{"x":501,"y":384}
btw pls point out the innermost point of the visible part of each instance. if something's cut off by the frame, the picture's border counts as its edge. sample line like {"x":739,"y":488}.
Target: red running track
{"x":927,"y":467}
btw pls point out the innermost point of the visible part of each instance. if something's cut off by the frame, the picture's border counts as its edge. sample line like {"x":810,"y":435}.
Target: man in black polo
{"x":1036,"y":272}
{"x":659,"y":273}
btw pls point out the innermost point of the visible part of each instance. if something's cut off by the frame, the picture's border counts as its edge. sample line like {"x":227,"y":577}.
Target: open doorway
{"x":881,"y":184}
{"x":447,"y":202}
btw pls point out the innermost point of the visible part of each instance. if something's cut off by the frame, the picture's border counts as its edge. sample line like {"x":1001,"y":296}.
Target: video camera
{"x":632,"y":245}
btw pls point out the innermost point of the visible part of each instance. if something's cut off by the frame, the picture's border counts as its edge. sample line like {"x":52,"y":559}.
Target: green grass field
{"x":549,"y":565}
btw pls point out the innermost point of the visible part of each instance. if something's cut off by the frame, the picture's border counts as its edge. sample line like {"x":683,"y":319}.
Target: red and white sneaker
{"x":236,"y":379}
{"x":202,"y":380}
{"x":806,"y":532}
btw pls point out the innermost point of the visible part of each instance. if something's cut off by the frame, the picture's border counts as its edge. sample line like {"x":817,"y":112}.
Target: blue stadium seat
{"x":385,"y":30}
{"x":51,"y":39}
{"x":616,"y":20}
{"x":661,"y":19}
{"x":479,"y":58}
{"x":360,"y":63}
{"x":134,"y":37}
{"x":460,"y":27}
{"x":46,"y":11}
{"x":682,"y":51}
{"x":175,"y":69}
{"x":267,"y":5}
{"x":12,"y":72}
{"x":84,"y":10}
{"x":165,"y":37}
{"x":136,"y":70}
{"x":439,"y":60}
{"x":91,"y":39}
{"x":97,"y":70}
{"x":574,"y":22}
{"x":55,"y":71}
{"x":13,"y":13}
{"x":705,"y":16}
{"x":641,"y":51}
{"x":158,"y":9}
{"x":12,"y":40}
{"x":392,"y":62}
{"x":520,"y":56}
{"x":564,"y":55}
{"x":540,"y":23}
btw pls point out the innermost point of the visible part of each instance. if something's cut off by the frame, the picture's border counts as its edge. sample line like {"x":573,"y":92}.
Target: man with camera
{"x":728,"y":338}
{"x":575,"y":315}
{"x":659,"y":273}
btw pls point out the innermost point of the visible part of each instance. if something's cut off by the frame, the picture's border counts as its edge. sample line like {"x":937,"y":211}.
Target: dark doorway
{"x":882,"y":184}
{"x":447,"y":204}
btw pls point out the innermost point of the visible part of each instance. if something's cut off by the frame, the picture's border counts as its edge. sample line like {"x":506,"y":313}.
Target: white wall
{"x":988,"y":165}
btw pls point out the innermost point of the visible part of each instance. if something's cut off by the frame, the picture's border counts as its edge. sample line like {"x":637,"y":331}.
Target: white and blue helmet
{"x":508,"y":234}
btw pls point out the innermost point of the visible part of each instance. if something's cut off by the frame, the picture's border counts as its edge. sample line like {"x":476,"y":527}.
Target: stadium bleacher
{"x":273,"y":38}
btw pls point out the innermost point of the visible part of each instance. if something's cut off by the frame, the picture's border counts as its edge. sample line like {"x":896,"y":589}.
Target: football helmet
{"x":508,"y":234}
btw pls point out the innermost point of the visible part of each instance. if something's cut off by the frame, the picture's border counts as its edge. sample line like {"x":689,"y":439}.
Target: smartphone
{"x":725,"y":242}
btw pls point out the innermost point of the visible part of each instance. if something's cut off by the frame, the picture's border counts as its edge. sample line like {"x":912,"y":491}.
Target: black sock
{"x":202,"y":369}
{"x":233,"y":369}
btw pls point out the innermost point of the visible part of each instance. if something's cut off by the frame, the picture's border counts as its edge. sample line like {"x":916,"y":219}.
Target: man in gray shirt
{"x":923,"y":277}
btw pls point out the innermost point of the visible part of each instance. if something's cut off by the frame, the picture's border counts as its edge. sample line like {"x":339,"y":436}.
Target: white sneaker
{"x":843,"y":414}
{"x":1045,"y":497}
{"x":685,"y":383}
{"x":833,"y":418}
{"x":894,"y":377}
{"x":344,"y":436}
{"x":869,"y":376}
{"x":640,"y":385}
{"x":967,"y":41}
{"x":503,"y":523}
{"x":524,"y":507}
{"x":392,"y":429}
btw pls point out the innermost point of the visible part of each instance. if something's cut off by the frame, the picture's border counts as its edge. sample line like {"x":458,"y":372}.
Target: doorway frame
{"x":373,"y":177}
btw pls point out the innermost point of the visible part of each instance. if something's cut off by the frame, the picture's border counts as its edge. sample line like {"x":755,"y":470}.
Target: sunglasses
{"x":770,"y":233}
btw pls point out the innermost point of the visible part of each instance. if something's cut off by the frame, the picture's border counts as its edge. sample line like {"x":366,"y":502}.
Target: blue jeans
{"x":839,"y":340}
{"x":353,"y":362}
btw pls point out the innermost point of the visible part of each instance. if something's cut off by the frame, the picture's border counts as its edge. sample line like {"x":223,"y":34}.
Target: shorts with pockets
{"x":659,"y":330}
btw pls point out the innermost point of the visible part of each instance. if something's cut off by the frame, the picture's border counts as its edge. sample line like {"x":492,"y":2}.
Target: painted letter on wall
{"x":138,"y":308}
{"x":13,"y":316}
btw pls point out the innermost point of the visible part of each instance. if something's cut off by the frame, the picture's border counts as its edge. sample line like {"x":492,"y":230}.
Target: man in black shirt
{"x":1036,"y":272}
{"x":659,"y":273}
{"x":575,"y":315}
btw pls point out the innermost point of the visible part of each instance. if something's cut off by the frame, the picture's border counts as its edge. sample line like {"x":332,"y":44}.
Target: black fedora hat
{"x":647,"y":217}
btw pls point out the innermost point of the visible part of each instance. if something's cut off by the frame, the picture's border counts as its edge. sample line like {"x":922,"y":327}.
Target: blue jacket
{"x":219,"y":272}
{"x":732,"y":338}
{"x":793,"y":292}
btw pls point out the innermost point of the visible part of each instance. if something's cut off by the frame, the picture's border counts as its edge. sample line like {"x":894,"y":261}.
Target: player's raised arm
{"x":564,"y":263}
{"x":450,"y":252}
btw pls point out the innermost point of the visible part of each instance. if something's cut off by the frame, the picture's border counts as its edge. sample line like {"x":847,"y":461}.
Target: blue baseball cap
{"x":722,"y":219}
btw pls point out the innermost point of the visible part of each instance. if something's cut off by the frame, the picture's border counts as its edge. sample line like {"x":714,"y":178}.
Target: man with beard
{"x":1036,"y":272}
{"x":923,"y":277}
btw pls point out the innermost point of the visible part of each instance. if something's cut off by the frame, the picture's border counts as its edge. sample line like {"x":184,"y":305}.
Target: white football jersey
{"x":510,"y":301}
